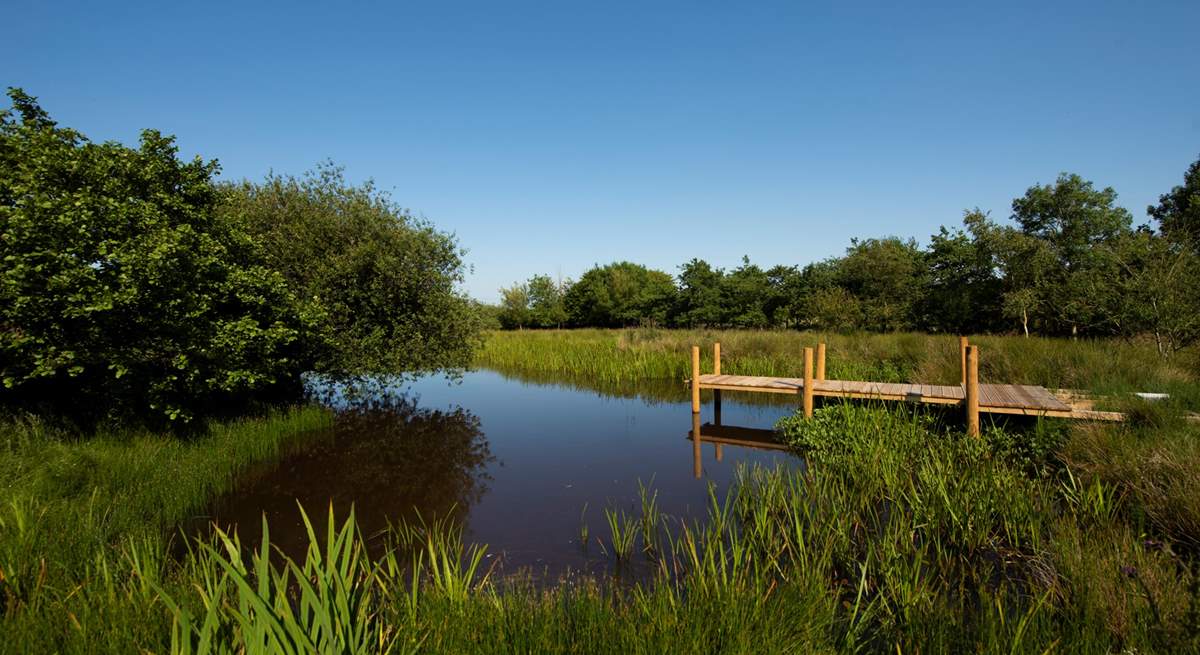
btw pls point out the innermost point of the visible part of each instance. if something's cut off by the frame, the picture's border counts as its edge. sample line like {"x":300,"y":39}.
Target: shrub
{"x":120,"y":293}
{"x":381,"y":282}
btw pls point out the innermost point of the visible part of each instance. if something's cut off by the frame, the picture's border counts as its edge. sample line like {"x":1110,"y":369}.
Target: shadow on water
{"x":387,"y":457}
{"x":526,"y":468}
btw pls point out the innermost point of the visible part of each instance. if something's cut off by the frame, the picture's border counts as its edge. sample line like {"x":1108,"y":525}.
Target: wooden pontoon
{"x":1020,"y":399}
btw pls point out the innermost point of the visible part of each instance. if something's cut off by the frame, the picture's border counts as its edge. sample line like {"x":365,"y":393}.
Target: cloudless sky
{"x":553,"y":136}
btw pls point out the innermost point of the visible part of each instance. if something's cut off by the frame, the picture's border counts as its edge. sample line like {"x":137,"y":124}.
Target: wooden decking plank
{"x":1025,"y":398}
{"x":1010,"y":398}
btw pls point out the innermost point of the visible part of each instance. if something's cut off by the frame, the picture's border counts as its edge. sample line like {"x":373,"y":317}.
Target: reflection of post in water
{"x":728,"y":435}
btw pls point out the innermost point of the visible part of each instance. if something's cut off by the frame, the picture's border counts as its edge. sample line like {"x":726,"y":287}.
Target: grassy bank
{"x":607,"y":358}
{"x":77,"y":512}
{"x":901,"y":536}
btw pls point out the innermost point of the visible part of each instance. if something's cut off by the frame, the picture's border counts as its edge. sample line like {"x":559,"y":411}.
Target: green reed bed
{"x":607,"y":358}
{"x":76,"y":513}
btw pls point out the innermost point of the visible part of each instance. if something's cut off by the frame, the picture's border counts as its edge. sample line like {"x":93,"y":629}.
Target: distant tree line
{"x":1070,"y":262}
{"x":135,"y":287}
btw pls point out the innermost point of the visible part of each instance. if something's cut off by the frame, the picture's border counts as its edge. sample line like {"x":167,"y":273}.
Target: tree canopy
{"x":135,"y":287}
{"x":382,"y":284}
{"x":1069,"y":262}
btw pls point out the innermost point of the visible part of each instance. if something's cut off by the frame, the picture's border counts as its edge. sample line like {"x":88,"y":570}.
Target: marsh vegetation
{"x":158,"y":328}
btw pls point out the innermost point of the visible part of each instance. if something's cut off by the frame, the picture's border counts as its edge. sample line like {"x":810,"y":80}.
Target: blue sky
{"x":553,"y":136}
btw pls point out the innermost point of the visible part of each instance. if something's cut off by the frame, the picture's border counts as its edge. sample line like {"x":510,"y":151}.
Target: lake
{"x":521,"y":465}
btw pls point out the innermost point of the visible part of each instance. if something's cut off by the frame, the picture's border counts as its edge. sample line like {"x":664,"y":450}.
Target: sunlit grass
{"x":609,"y":359}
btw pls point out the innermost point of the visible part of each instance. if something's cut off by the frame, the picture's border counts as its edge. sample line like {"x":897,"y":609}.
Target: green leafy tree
{"x":122,"y":295}
{"x":744,"y":294}
{"x":698,"y":303}
{"x":1073,"y":218}
{"x":514,"y":307}
{"x":964,"y":288}
{"x":384,"y":283}
{"x":887,"y":276}
{"x":834,"y":308}
{"x":786,"y":287}
{"x":1178,"y":212}
{"x":547,"y":301}
{"x":818,"y":287}
{"x":1149,"y":288}
{"x":620,"y":294}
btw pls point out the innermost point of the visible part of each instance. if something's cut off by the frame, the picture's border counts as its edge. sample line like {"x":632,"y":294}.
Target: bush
{"x":120,"y":293}
{"x":381,"y":283}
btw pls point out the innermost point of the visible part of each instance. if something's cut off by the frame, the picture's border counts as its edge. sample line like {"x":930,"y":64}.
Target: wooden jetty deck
{"x":995,"y":398}
{"x":975,"y":398}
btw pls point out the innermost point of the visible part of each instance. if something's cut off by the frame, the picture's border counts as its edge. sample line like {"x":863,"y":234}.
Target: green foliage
{"x":1072,"y":218}
{"x":1178,"y":211}
{"x":538,"y":303}
{"x":745,"y":294}
{"x":620,"y":294}
{"x":122,"y":295}
{"x":78,"y":515}
{"x":698,"y":303}
{"x":514,"y":307}
{"x":963,"y":285}
{"x":636,"y":358}
{"x":887,"y":277}
{"x":325,"y":604}
{"x":896,"y":534}
{"x":383,"y":283}
{"x":1148,"y":286}
{"x":1069,"y":264}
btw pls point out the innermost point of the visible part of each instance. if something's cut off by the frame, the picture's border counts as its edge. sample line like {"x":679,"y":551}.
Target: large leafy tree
{"x":1072,"y":218}
{"x":1178,"y":211}
{"x":514,"y":311}
{"x":121,"y":294}
{"x":547,"y":301}
{"x":1148,"y":287}
{"x":887,"y":276}
{"x":699,"y":301}
{"x":783,"y":301}
{"x":384,"y":284}
{"x":621,"y":294}
{"x":964,"y":288}
{"x":745,"y":292}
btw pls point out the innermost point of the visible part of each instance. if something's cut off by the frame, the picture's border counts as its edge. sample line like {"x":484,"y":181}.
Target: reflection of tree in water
{"x":387,"y":457}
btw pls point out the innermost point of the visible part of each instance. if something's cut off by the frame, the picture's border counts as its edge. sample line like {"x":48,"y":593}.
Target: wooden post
{"x":720,"y":454}
{"x":962,"y":352}
{"x":695,"y":379}
{"x":717,"y":392}
{"x":821,"y":360}
{"x":697,"y":462}
{"x":973,"y":390}
{"x":808,"y":382}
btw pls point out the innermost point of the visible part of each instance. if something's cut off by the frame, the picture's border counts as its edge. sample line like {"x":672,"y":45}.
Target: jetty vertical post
{"x":821,"y":360}
{"x":973,"y":390}
{"x":808,"y":382}
{"x":962,"y":352}
{"x":696,"y":380}
{"x":717,"y":392}
{"x":697,"y":461}
{"x":720,"y":455}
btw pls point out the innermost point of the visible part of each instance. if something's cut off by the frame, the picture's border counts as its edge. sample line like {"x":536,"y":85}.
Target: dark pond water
{"x":516,"y":462}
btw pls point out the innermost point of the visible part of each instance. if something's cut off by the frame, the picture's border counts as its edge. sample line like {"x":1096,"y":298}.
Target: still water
{"x":521,"y":465}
